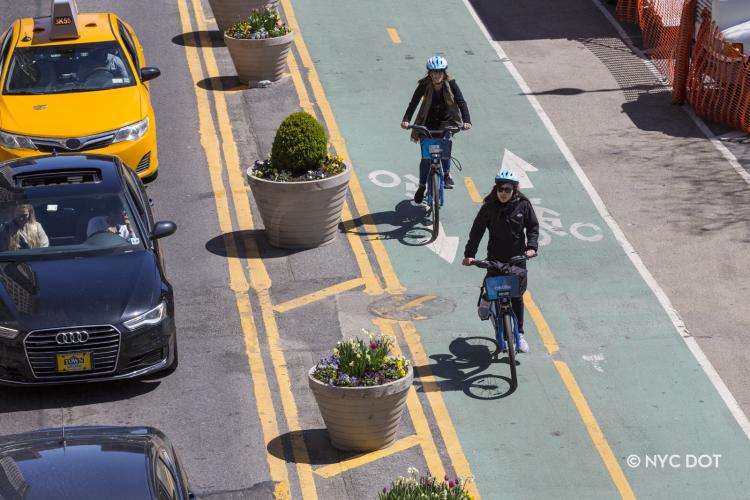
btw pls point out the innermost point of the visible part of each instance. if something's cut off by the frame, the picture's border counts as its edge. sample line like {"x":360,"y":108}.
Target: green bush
{"x":300,"y":144}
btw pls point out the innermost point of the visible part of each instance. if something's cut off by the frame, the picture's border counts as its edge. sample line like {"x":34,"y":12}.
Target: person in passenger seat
{"x":23,"y":231}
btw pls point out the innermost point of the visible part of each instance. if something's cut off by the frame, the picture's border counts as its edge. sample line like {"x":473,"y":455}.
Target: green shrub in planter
{"x":260,"y":24}
{"x":300,"y":144}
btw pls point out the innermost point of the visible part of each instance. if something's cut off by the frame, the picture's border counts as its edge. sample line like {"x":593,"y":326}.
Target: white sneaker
{"x":484,"y":310}
{"x":523,"y":346}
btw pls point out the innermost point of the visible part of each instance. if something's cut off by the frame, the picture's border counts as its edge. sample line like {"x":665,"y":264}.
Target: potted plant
{"x":416,"y":487}
{"x":300,"y":189}
{"x":361,"y":391}
{"x":259,"y":45}
{"x":228,"y":12}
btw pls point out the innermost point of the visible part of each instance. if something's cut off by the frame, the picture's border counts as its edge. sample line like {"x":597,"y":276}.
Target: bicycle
{"x":499,"y":289}
{"x":436,"y":150}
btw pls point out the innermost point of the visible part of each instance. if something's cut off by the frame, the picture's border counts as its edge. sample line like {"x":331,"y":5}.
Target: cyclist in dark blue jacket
{"x":443,"y":105}
{"x":514,"y":230}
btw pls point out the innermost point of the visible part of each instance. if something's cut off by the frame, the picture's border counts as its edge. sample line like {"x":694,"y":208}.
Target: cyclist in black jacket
{"x":514,"y":230}
{"x":442,"y":105}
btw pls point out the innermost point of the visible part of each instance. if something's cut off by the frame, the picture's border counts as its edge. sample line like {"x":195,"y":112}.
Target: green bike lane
{"x":647,"y":392}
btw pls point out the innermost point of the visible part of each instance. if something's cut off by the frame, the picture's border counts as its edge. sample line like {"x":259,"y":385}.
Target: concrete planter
{"x":228,"y":12}
{"x":257,"y":60}
{"x":362,"y":418}
{"x":300,"y":215}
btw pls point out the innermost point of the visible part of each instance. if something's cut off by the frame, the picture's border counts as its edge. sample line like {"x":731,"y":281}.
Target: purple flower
{"x":446,"y":477}
{"x":450,"y":484}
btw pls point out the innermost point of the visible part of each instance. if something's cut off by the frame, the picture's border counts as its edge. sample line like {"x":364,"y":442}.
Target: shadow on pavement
{"x":222,"y":84}
{"x":13,"y":399}
{"x":318,"y":444}
{"x":465,"y":370}
{"x":232,"y":245}
{"x":411,"y":225}
{"x":192,"y":39}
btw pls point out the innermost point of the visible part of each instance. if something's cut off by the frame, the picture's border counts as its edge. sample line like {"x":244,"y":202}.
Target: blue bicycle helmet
{"x":437,"y":63}
{"x":506,"y":176}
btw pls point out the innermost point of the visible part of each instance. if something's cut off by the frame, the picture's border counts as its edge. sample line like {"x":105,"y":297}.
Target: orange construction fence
{"x":667,"y":28}
{"x":718,"y":84}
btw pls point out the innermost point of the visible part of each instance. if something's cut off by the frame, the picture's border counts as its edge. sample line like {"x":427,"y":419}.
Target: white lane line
{"x":679,"y":325}
{"x":728,"y":155}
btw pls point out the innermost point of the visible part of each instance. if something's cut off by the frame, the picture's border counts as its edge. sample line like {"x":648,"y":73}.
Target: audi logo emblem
{"x":75,"y":337}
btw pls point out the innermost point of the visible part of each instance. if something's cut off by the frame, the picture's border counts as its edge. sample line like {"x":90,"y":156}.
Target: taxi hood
{"x":70,"y":114}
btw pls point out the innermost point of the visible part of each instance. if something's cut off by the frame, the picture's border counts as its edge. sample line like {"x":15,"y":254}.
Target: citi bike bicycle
{"x":436,"y":150}
{"x":498,"y":290}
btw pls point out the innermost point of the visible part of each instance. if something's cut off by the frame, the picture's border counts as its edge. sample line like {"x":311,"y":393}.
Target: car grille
{"x":62,"y":144}
{"x":144,"y":163}
{"x":42,"y":350}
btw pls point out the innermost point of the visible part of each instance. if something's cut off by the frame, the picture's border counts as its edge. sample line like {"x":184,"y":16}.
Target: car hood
{"x":70,"y":115}
{"x":61,"y":293}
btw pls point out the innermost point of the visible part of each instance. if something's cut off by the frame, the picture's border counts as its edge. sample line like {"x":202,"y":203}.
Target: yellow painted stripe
{"x":472,"y":189}
{"x":372,"y":284}
{"x":332,"y":470}
{"x":238,"y":282}
{"x":418,"y":418}
{"x":541,"y":324}
{"x":386,"y":268}
{"x":320,"y":294}
{"x":394,"y":35}
{"x":416,"y":302}
{"x":595,"y":432}
{"x":432,"y":391}
{"x":259,"y":278}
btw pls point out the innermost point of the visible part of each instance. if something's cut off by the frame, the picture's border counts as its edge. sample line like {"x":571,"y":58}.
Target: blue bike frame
{"x":499,"y":290}
{"x":436,"y":150}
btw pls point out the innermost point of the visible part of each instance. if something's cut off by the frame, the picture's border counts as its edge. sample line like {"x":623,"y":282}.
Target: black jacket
{"x":507,"y":224}
{"x":438,"y":112}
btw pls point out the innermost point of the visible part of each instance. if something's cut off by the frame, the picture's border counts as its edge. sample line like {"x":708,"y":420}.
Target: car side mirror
{"x":162,"y":229}
{"x":149,"y":73}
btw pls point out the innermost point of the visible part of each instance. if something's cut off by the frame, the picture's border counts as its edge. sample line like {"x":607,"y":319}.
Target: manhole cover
{"x":411,"y":307}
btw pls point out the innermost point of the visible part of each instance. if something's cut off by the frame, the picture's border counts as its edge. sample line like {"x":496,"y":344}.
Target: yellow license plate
{"x":74,"y":362}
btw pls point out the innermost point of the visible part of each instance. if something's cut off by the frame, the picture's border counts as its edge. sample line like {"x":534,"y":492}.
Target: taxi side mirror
{"x":162,"y":229}
{"x":149,"y":73}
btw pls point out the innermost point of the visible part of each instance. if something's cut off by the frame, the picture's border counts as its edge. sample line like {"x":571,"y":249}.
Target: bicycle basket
{"x":432,"y":146}
{"x":499,"y":287}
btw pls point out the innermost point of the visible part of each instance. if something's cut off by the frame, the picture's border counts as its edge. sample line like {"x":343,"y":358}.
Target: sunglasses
{"x":504,"y":189}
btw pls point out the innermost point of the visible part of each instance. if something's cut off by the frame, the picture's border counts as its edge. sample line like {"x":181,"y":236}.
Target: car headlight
{"x":8,"y":333}
{"x":14,"y":141}
{"x":152,"y":317}
{"x":132,"y":132}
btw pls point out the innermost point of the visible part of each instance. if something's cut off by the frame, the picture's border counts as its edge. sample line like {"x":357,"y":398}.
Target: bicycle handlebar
{"x":498,"y":265}
{"x":420,"y":128}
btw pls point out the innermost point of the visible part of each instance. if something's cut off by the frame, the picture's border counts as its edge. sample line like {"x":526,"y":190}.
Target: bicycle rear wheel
{"x":435,"y":180}
{"x":510,"y":339}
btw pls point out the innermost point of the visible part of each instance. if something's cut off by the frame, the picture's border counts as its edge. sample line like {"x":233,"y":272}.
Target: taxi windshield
{"x":55,"y":69}
{"x":67,"y":226}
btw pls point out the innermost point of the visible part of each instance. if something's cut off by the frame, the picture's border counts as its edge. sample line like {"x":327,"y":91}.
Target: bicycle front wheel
{"x":435,"y":205}
{"x":510,"y":339}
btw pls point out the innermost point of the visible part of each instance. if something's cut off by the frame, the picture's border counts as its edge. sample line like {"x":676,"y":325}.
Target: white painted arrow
{"x":445,"y":246}
{"x":518,"y":166}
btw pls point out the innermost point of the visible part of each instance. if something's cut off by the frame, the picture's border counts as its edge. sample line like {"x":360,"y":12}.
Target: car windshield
{"x":68,"y":68}
{"x":67,"y":226}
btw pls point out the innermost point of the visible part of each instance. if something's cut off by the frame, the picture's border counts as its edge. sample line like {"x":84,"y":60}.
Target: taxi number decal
{"x":63,"y":20}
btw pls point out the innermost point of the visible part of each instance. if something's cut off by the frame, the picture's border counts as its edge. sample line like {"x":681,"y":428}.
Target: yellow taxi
{"x":75,"y":82}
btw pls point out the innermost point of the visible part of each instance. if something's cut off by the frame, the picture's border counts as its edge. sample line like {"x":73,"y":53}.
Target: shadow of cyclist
{"x":411,"y":224}
{"x":465,"y":369}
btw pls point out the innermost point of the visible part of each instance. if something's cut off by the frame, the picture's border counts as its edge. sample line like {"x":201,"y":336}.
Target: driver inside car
{"x":103,"y":60}
{"x":116,"y":221}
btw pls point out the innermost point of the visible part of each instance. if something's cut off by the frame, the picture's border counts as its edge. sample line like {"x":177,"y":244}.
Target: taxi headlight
{"x":8,"y":333}
{"x":14,"y":141}
{"x":152,"y":317}
{"x":132,"y":132}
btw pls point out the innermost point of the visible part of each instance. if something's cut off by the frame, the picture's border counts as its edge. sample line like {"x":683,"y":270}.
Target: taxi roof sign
{"x":64,"y":20}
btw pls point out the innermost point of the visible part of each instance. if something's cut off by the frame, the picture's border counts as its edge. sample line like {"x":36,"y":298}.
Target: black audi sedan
{"x":116,"y":463}
{"x":83,"y":295}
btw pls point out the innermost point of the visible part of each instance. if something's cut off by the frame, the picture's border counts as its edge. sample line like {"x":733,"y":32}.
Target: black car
{"x":91,"y":462}
{"x":83,"y":296}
